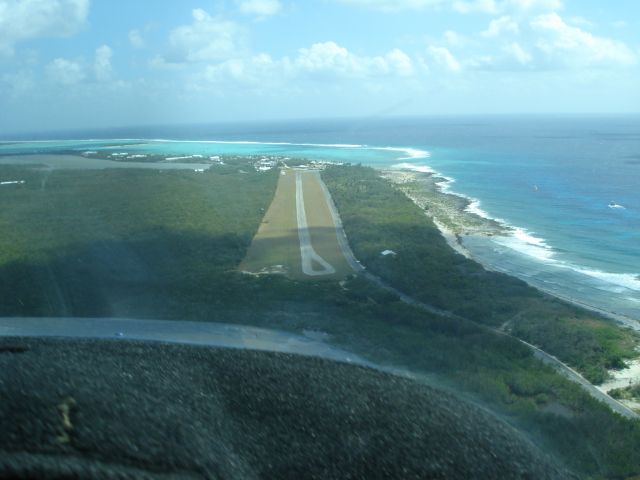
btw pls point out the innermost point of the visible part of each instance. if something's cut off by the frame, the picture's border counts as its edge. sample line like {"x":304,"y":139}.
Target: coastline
{"x":450,"y":213}
{"x":457,"y":217}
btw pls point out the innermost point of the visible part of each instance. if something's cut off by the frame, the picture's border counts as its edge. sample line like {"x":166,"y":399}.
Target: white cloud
{"x":26,"y":19}
{"x":400,"y":63}
{"x":492,"y":7}
{"x":206,"y":39}
{"x":470,"y":6}
{"x":545,"y":42}
{"x":538,"y":5}
{"x":259,"y":71}
{"x":65,"y":72}
{"x":159,"y":62}
{"x":443,"y":57}
{"x":498,"y":26}
{"x":319,"y":61}
{"x":569,"y":45}
{"x":501,"y":6}
{"x":396,"y":5}
{"x":579,"y":21}
{"x":72,"y":72}
{"x":483,"y":62}
{"x":102,"y":64}
{"x":331,"y":58}
{"x":135,"y":39}
{"x":326,"y":56}
{"x":262,"y":8}
{"x":454,"y":38}
{"x":509,"y":57}
{"x":519,"y":54}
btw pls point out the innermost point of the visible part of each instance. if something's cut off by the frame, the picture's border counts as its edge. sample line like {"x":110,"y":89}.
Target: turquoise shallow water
{"x":355,"y":153}
{"x":570,"y":185}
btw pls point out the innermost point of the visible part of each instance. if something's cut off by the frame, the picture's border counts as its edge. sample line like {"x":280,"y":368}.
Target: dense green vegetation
{"x":631,"y":392}
{"x":120,"y":242}
{"x":142,"y":243}
{"x":377,"y":217}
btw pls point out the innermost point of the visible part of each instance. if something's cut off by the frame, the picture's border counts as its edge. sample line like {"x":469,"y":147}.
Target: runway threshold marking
{"x":308,"y":255}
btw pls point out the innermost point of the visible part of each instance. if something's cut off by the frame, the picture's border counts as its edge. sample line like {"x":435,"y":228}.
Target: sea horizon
{"x":266,"y":126}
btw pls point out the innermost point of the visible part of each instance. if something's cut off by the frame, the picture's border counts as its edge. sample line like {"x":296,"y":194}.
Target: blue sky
{"x":98,"y":63}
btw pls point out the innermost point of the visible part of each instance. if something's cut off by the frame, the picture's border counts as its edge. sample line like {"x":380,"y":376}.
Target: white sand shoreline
{"x":453,"y":240}
{"x":456,"y":241}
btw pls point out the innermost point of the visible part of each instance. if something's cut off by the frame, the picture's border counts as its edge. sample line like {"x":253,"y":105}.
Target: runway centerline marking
{"x":307,"y":253}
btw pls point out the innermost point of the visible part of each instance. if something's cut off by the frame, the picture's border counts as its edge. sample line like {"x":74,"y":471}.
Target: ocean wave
{"x":252,"y":142}
{"x":524,"y":242}
{"x":409,"y":152}
{"x":519,"y":239}
{"x":474,"y":207}
{"x":412,"y":153}
{"x":616,"y":205}
{"x":413,"y":167}
{"x":77,"y":140}
{"x":524,"y":236}
{"x":445,"y":181}
{"x":444,"y":185}
{"x":629,"y":281}
{"x":122,"y":145}
{"x":527,"y":243}
{"x":332,"y":145}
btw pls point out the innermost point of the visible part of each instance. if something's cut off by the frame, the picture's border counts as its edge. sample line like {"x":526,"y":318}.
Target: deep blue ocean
{"x":570,"y":185}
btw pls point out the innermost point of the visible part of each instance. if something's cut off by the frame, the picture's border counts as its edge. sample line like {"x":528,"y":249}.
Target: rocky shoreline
{"x":449,"y":213}
{"x":447,"y":210}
